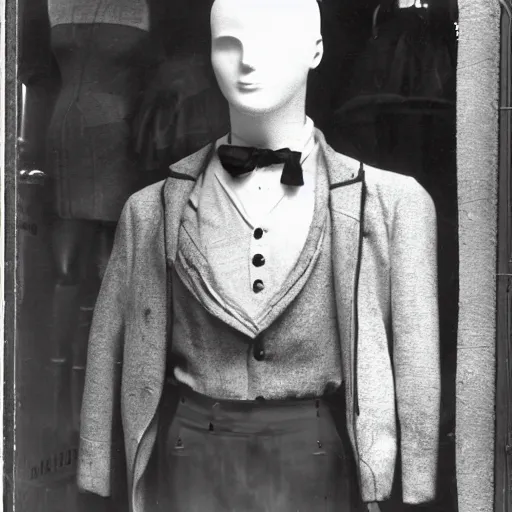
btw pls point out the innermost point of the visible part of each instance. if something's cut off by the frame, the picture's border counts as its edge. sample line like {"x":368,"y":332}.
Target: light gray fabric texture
{"x":383,"y":250}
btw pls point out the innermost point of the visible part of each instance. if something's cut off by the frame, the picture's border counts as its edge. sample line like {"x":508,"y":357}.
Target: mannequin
{"x":101,"y":48}
{"x":266,"y":96}
{"x":251,"y":301}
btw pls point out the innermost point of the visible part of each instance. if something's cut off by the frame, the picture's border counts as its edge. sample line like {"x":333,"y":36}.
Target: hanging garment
{"x":36,"y":63}
{"x":37,"y":70}
{"x":181,"y":111}
{"x":89,"y":153}
{"x":405,"y":74}
{"x":410,"y":57}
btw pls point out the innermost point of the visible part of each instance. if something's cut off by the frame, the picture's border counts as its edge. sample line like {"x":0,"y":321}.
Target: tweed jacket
{"x":385,"y":270}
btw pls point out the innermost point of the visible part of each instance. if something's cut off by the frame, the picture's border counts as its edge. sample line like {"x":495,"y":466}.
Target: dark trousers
{"x":251,"y":456}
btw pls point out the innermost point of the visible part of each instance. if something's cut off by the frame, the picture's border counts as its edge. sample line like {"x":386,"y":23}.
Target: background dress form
{"x":102,"y":51}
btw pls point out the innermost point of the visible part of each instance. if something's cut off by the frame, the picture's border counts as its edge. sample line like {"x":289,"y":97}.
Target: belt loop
{"x":214,"y":413}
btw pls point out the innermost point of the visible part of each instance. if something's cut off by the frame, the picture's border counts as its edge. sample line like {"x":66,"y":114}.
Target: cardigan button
{"x":258,"y":260}
{"x":258,"y":286}
{"x":258,"y":350}
{"x":259,"y":354}
{"x":258,"y":233}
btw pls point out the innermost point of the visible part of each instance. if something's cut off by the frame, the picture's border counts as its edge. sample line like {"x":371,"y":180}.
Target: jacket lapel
{"x":347,"y":197}
{"x":176,"y":192}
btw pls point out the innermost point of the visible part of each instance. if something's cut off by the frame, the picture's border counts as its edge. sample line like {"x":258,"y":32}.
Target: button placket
{"x":258,"y":262}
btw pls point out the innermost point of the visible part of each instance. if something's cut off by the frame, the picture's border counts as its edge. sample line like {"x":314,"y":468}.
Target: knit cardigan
{"x":385,"y":278}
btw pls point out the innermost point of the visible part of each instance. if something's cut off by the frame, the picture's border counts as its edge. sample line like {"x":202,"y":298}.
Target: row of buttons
{"x":258,"y":260}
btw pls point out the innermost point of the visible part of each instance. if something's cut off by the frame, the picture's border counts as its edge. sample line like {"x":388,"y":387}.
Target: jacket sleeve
{"x":415,"y":325}
{"x":100,"y":430}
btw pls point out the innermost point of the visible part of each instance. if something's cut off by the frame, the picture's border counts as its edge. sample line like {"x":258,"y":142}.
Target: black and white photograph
{"x":257,"y":255}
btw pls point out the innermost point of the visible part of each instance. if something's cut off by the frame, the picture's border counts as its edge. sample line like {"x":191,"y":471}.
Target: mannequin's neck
{"x":274,"y":130}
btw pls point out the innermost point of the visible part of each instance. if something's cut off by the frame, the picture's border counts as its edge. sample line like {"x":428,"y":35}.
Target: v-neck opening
{"x":248,"y":218}
{"x":198,"y":277}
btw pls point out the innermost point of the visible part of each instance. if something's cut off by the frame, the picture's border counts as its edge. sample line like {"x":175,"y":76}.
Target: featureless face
{"x":262,"y":51}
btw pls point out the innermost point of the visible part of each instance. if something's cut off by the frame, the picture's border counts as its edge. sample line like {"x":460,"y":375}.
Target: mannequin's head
{"x":263,"y":50}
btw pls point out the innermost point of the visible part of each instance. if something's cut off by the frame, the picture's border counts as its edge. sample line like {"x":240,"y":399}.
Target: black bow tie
{"x":239,"y":160}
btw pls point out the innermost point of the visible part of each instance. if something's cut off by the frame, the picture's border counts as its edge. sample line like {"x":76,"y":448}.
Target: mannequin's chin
{"x":256,"y":109}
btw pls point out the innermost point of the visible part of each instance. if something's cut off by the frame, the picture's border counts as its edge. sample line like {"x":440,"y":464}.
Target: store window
{"x":113,"y":93}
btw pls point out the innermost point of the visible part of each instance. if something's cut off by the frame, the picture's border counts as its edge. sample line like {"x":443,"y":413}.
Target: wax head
{"x":263,"y":50}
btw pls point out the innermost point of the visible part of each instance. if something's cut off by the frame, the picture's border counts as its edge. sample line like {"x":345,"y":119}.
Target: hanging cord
{"x":375,"y":29}
{"x":386,"y":6}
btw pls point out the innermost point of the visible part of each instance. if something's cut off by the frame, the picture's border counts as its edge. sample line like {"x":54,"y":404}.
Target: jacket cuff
{"x":93,"y":472}
{"x":377,"y":480}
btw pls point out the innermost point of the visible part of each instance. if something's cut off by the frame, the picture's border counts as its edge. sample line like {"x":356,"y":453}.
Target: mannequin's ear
{"x":319,"y":53}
